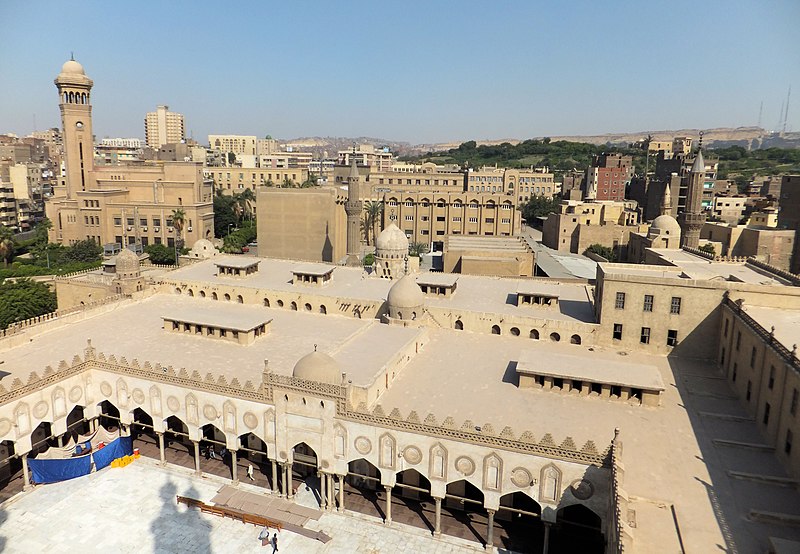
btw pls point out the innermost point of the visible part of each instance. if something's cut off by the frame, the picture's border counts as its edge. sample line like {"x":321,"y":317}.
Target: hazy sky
{"x":415,"y":71}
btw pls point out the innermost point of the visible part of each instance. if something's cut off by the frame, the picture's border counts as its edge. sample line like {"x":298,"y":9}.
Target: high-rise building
{"x":163,"y":126}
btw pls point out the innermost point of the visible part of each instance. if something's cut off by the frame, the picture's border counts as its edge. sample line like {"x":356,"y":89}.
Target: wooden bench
{"x":238,"y":515}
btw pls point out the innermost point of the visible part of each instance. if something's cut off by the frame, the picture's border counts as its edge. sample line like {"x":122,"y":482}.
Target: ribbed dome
{"x":318,"y":367}
{"x":127,"y":262}
{"x":405,"y":294}
{"x":665,"y":225}
{"x":391,"y":239}
{"x":72,"y":67}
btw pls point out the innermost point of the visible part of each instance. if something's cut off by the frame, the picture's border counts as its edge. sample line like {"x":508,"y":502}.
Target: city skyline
{"x":420,"y":77}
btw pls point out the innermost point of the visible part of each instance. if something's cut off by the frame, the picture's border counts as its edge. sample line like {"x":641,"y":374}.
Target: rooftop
{"x":222,"y":315}
{"x":314,"y":269}
{"x":240,"y":262}
{"x":786,"y":322}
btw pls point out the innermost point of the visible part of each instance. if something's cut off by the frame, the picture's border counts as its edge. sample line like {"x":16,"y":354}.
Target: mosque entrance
{"x":304,"y":465}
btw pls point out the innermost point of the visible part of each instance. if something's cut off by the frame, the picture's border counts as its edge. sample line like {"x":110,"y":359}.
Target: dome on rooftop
{"x":391,"y":240}
{"x":405,"y":299}
{"x":318,"y":367}
{"x":127,"y":264}
{"x":72,"y":67}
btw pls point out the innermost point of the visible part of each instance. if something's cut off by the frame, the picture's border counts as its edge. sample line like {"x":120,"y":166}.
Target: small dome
{"x":72,"y":67}
{"x":318,"y":367}
{"x":665,"y":225}
{"x":405,"y":294}
{"x":127,"y":262}
{"x":203,"y":248}
{"x":391,"y":238}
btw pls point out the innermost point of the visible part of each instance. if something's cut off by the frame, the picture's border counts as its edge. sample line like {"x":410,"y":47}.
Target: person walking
{"x":274,"y":543}
{"x":250,"y":472}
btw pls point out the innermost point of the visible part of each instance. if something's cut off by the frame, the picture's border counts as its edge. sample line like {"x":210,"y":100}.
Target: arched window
{"x":239,"y":299}
{"x":190,"y":292}
{"x":294,"y":306}
{"x":177,"y":290}
{"x":202,"y":294}
{"x":459,"y":325}
{"x":266,"y":302}
{"x":227,"y":297}
{"x":323,"y":309}
{"x":495,"y":329}
{"x":280,"y":303}
{"x":214,"y":296}
{"x":534,"y":334}
{"x":515,"y":331}
{"x":555,"y":337}
{"x":575,"y":339}
{"x":307,"y":307}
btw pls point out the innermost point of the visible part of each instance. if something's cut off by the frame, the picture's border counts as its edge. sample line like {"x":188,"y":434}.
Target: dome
{"x":405,"y":294}
{"x":318,"y":367}
{"x":665,"y":225}
{"x":203,"y":249}
{"x":127,"y":262}
{"x":72,"y":67}
{"x":392,"y":238}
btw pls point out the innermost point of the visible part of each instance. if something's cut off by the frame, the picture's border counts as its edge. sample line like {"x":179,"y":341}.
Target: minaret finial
{"x":700,"y":142}
{"x":72,"y":56}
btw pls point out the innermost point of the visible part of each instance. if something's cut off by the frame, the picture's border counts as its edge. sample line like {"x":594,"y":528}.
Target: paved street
{"x":133,"y":509}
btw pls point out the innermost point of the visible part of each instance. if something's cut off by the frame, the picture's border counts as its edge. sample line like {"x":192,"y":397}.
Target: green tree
{"x":709,"y":249}
{"x":538,"y":206}
{"x":231,"y":158}
{"x":372,"y":211}
{"x":22,"y":299}
{"x":83,"y":251}
{"x":606,"y":252}
{"x":310,"y":182}
{"x":369,"y":259}
{"x":417,"y":249}
{"x":40,"y":232}
{"x":223,"y":214}
{"x":160,"y":254}
{"x":287,"y":183}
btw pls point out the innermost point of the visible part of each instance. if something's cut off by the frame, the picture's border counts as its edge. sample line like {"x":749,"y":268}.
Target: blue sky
{"x":414,"y":71}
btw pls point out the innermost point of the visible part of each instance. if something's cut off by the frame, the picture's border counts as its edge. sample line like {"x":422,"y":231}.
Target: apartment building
{"x":236,"y":179}
{"x":163,"y":126}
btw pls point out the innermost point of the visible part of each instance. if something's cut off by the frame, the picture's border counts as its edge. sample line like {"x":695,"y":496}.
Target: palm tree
{"x":373,"y":209}
{"x":417,"y":249}
{"x":247,"y":199}
{"x":178,"y":219}
{"x":6,"y":244}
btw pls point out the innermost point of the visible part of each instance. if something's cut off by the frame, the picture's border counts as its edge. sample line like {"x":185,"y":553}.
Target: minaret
{"x":693,"y":217}
{"x":666,"y":201}
{"x":354,"y":208}
{"x":74,"y":89}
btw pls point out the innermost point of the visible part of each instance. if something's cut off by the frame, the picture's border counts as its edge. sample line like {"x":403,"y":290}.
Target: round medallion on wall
{"x":582,"y":489}
{"x":105,"y":388}
{"x":209,"y":411}
{"x":75,"y":393}
{"x":363,"y":445}
{"x":5,"y":426}
{"x":412,"y":454}
{"x":250,"y":420}
{"x":138,"y":396}
{"x":173,"y":404}
{"x":521,"y":477}
{"x":325,"y":464}
{"x":40,"y":409}
{"x":465,"y":465}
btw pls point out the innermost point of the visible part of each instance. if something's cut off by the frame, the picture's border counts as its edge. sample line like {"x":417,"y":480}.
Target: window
{"x":130,"y":221}
{"x":645,"y":338}
{"x":457,"y":219}
{"x":725,"y":332}
{"x":473,"y":219}
{"x":505,"y":220}
{"x":409,"y":204}
{"x":738,"y":340}
{"x":618,"y":331}
{"x":489,"y":220}
{"x":648,"y":302}
{"x":793,"y":405}
{"x":787,"y":448}
{"x":672,"y":337}
{"x":735,"y":368}
{"x":765,"y":420}
{"x":425,"y":232}
{"x":620,"y":301}
{"x":675,"y":305}
{"x":143,"y":221}
{"x":753,"y":357}
{"x":118,"y":221}
{"x":409,"y":218}
{"x":440,"y":218}
{"x":157,"y":221}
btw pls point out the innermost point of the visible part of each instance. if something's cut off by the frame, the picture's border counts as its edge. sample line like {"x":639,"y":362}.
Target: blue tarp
{"x":118,"y":448}
{"x":52,"y":471}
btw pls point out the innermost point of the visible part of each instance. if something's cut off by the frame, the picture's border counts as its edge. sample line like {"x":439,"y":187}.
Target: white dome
{"x":318,"y":367}
{"x":405,"y":294}
{"x":72,"y":67}
{"x":665,"y":225}
{"x":127,"y":262}
{"x":391,"y":239}
{"x":203,"y":248}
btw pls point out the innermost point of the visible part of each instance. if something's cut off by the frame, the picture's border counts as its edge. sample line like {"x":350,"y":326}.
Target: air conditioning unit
{"x":170,"y":229}
{"x":144,"y":229}
{"x":130,"y":229}
{"x":157,"y":229}
{"x":189,"y":229}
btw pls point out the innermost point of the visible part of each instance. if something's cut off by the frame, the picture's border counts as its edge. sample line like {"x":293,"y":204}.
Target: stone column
{"x":289,"y":482}
{"x":61,"y":441}
{"x":275,"y":488}
{"x":234,"y":468}
{"x":283,"y":481}
{"x":161,"y":448}
{"x":323,"y":500}
{"x":490,"y":531}
{"x":26,"y":478}
{"x":331,"y":493}
{"x":546,"y":545}
{"x":197,"y":457}
{"x":437,"y":531}
{"x":341,"y":493}
{"x":388,"y":519}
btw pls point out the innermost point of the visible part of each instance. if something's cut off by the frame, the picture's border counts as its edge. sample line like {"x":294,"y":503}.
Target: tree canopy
{"x":23,"y":299}
{"x":538,"y":206}
{"x":160,"y":254}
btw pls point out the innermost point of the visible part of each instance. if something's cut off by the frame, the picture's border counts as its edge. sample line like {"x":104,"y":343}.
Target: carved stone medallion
{"x":412,"y":454}
{"x":250,"y":420}
{"x":173,"y":403}
{"x":105,"y":388}
{"x":209,"y":411}
{"x":363,"y":445}
{"x":138,"y":396}
{"x":5,"y":426}
{"x":75,"y":393}
{"x":582,"y":489}
{"x":521,"y":477}
{"x":465,"y":465}
{"x":40,"y":409}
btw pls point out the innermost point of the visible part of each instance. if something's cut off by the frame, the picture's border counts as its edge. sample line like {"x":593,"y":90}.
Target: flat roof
{"x":438,"y":279}
{"x":225,"y":315}
{"x":313,"y":269}
{"x":538,"y":288}
{"x":239,"y":262}
{"x":588,"y":367}
{"x":699,"y":268}
{"x":466,"y":242}
{"x":786,"y":322}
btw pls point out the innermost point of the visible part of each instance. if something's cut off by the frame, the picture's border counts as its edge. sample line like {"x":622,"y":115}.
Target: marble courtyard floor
{"x":133,"y":509}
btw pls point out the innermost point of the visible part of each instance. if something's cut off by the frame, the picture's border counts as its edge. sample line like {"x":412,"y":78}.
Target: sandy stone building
{"x":162,"y":127}
{"x":122,"y":204}
{"x":579,"y":224}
